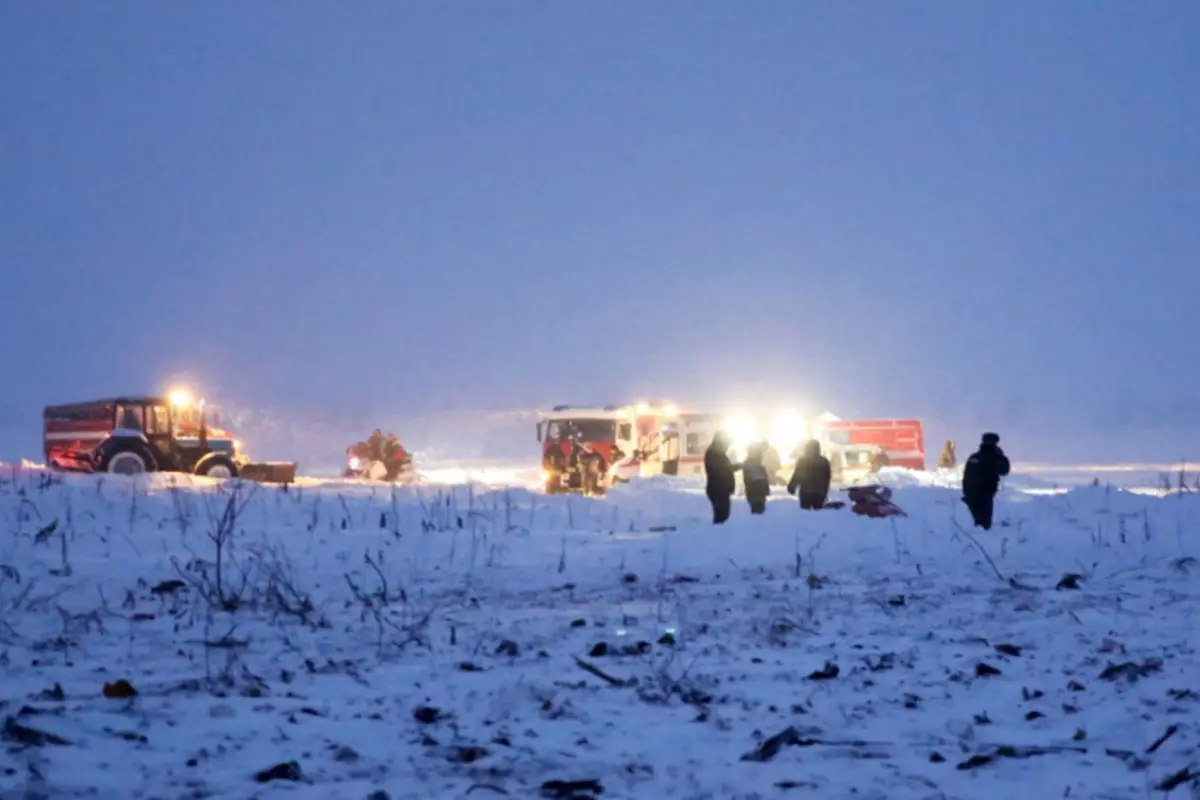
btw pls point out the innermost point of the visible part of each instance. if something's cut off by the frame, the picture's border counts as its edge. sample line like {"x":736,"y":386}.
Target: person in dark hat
{"x":811,"y":477}
{"x":981,"y":479}
{"x":720,"y":483}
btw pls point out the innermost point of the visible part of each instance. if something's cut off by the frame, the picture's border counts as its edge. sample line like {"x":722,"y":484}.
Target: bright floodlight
{"x":180,"y":397}
{"x":787,"y":431}
{"x":671,"y":410}
{"x":643,"y":408}
{"x":742,"y":430}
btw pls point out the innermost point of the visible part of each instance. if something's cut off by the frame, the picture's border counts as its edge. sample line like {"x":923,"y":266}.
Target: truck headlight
{"x":354,"y":463}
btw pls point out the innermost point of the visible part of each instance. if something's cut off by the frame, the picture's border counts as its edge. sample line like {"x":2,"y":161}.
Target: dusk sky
{"x":986,"y":212}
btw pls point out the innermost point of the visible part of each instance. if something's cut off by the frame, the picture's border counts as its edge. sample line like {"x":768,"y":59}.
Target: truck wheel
{"x":126,"y":462}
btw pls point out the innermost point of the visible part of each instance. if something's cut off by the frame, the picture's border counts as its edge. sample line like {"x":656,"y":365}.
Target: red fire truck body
{"x":902,"y":440}
{"x":627,"y":441}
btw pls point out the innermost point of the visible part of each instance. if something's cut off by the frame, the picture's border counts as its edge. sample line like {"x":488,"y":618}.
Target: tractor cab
{"x":169,"y":434}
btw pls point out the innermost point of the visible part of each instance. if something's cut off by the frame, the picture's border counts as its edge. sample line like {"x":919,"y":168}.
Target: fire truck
{"x":134,"y":434}
{"x":855,"y":448}
{"x":590,"y":448}
{"x":862,"y":446}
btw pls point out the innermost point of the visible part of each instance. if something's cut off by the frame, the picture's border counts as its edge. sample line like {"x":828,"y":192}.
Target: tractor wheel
{"x":127,"y":460}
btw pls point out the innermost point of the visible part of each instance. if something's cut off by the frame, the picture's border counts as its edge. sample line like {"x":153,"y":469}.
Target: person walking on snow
{"x":981,"y":479}
{"x":718,"y":470}
{"x":811,"y":477}
{"x":756,"y":477}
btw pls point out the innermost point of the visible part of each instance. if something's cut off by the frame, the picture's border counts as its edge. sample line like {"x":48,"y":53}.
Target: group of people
{"x":810,"y":479}
{"x":388,"y":451}
{"x":572,"y":456}
{"x":813,"y":473}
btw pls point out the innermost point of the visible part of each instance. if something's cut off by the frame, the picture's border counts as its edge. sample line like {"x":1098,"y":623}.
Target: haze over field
{"x":366,"y":214}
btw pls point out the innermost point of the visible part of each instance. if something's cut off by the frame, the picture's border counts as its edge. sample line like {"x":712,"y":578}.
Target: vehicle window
{"x":554,"y":431}
{"x":594,"y":430}
{"x":625,"y":432}
{"x":696,"y":445}
{"x":159,"y":421}
{"x":187,"y":422}
{"x":130,"y":418}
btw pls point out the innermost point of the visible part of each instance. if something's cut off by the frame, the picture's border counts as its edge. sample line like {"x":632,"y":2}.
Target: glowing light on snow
{"x":457,"y":475}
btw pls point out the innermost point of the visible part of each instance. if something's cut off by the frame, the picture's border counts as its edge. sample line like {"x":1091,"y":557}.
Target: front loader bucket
{"x":269,"y":471}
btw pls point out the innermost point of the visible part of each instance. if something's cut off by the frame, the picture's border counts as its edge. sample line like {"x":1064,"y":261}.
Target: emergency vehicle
{"x":624,"y":441}
{"x":134,"y":434}
{"x":855,"y":448}
{"x":862,"y":445}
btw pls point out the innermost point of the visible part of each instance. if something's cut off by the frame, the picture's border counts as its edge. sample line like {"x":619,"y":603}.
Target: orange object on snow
{"x":874,"y":501}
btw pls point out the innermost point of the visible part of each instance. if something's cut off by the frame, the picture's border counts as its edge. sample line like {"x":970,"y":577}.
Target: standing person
{"x":756,"y":477}
{"x":554,"y":465}
{"x":773,"y":464}
{"x":718,"y":470}
{"x":981,"y":479}
{"x":947,"y":459}
{"x":811,"y":477}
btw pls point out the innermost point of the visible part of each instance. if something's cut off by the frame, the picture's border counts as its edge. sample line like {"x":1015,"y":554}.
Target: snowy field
{"x":192,"y":639}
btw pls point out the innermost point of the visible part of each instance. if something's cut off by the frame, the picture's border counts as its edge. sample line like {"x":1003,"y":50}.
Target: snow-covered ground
{"x":175,"y":638}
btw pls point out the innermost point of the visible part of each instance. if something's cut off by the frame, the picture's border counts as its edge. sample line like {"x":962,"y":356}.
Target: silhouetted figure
{"x":947,"y":459}
{"x":756,"y":478}
{"x":811,"y":477}
{"x":554,"y":465}
{"x":981,"y":479}
{"x":592,"y":471}
{"x":718,"y":470}
{"x":773,"y":464}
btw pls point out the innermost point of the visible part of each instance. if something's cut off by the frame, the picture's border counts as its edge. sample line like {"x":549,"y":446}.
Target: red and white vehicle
{"x":858,"y":444}
{"x":135,"y":434}
{"x":852,"y":446}
{"x":625,"y":441}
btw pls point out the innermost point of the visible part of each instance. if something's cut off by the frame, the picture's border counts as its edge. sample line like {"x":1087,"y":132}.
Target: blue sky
{"x":977,"y":212}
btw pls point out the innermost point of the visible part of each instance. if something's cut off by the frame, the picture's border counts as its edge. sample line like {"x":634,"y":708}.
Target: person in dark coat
{"x":719,"y":470}
{"x":811,"y":477}
{"x":773,"y":464}
{"x":756,"y":477}
{"x":981,"y":479}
